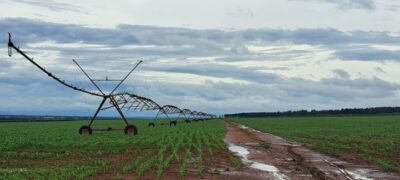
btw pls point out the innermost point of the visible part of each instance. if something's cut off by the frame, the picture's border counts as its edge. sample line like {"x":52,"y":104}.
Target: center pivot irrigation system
{"x":119,"y":101}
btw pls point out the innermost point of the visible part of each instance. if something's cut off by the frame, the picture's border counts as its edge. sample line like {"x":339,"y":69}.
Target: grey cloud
{"x":34,"y":31}
{"x":328,"y":90}
{"x":5,"y":65}
{"x":239,"y":49}
{"x":48,"y":4}
{"x":341,"y":73}
{"x":262,"y":91}
{"x":222,"y":71}
{"x":285,"y":95}
{"x":342,"y":90}
{"x":284,"y":54}
{"x":379,"y":69}
{"x":354,"y":4}
{"x":180,"y":42}
{"x":367,"y":54}
{"x":362,"y":83}
{"x":348,"y":4}
{"x":241,"y":12}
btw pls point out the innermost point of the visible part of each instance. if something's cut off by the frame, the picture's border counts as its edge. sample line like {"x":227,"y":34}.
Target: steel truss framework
{"x":188,"y":115}
{"x":132,"y":102}
{"x":169,"y":110}
{"x":119,"y":101}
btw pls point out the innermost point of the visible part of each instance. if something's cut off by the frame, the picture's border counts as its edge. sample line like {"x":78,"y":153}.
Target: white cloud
{"x":210,"y":14}
{"x":331,"y":62}
{"x":348,"y":4}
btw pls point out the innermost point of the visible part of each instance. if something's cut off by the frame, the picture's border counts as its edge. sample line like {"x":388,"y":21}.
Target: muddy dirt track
{"x":272,"y":157}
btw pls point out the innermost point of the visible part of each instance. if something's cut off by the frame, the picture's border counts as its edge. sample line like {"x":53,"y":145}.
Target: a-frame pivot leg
{"x":129,"y":129}
{"x":87,"y":130}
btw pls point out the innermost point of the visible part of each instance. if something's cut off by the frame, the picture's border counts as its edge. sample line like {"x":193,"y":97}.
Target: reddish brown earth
{"x":295,"y":161}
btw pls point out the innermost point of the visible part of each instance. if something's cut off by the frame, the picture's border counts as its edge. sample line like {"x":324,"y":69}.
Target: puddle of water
{"x":255,"y":130}
{"x":268,"y":168}
{"x":264,"y":167}
{"x":243,"y":153}
{"x":357,"y":176}
{"x":243,"y":127}
{"x":353,"y":174}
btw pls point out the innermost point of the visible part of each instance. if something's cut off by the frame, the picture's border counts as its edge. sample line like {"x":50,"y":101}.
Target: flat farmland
{"x":214,"y":149}
{"x":372,"y":139}
{"x":55,"y":150}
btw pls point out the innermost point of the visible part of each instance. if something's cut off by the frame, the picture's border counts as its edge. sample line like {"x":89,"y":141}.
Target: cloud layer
{"x":209,"y":70}
{"x":348,"y":4}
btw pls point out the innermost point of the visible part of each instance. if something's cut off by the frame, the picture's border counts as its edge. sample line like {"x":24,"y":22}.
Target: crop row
{"x":153,"y":151}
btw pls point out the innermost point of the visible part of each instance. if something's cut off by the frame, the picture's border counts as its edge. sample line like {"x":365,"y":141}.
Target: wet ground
{"x":272,"y":157}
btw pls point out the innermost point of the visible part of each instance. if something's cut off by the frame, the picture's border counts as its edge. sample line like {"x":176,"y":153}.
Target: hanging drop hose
{"x":9,"y":51}
{"x":9,"y":45}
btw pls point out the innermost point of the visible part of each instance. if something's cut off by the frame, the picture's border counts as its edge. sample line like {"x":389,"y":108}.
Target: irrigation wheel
{"x":85,"y":130}
{"x":130,"y":130}
{"x":151,"y":124}
{"x":173,"y":123}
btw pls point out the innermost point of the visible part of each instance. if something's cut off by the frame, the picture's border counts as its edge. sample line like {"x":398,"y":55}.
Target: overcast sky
{"x":213,"y":56}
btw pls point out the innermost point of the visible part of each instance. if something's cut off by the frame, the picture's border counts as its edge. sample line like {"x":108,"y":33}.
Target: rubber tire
{"x":172,"y":123}
{"x":151,"y":125}
{"x":85,"y":130}
{"x":130,"y":130}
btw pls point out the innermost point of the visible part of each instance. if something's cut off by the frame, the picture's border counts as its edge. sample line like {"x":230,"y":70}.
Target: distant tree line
{"x":27,"y":118}
{"x":34,"y":118}
{"x":344,"y":111}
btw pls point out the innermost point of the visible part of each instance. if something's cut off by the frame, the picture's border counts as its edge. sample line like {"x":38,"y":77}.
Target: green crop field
{"x":55,"y":150}
{"x":375,"y":139}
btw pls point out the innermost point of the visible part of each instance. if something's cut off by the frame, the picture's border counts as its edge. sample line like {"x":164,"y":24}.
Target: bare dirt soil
{"x":276,"y":158}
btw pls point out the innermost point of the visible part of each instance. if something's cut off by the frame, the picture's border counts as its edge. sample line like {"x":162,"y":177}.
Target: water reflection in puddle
{"x":243,"y":153}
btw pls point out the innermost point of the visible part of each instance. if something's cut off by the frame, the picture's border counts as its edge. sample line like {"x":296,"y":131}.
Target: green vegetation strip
{"x":30,"y":149}
{"x":69,"y":171}
{"x":375,"y":139}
